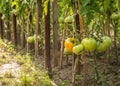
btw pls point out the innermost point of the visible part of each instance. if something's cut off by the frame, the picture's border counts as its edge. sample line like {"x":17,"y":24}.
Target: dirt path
{"x":18,"y":69}
{"x":8,"y":67}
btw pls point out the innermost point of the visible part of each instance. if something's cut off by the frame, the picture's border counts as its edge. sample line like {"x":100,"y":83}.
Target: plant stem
{"x":84,"y":70}
{"x":115,"y":44}
{"x":74,"y":61}
{"x":95,"y":66}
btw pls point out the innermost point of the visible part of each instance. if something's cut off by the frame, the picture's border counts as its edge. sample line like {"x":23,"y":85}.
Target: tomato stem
{"x":95,"y":66}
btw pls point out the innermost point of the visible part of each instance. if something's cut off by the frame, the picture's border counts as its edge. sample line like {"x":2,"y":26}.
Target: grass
{"x":30,"y":74}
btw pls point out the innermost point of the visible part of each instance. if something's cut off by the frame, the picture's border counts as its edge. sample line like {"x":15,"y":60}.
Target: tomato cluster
{"x":87,"y":45}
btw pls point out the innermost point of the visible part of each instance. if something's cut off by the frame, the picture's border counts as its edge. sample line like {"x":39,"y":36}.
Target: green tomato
{"x":101,"y":47}
{"x":89,"y":44}
{"x":107,"y":41}
{"x":69,"y":19}
{"x":67,"y":52}
{"x":30,"y":39}
{"x":61,"y":20}
{"x":78,"y":49}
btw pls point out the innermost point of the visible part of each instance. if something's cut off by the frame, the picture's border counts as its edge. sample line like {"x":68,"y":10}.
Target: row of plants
{"x":92,"y":25}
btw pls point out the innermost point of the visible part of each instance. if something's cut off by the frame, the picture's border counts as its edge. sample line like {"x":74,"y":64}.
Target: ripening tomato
{"x":68,"y":45}
{"x":73,"y":40}
{"x":78,"y":49}
{"x":70,"y":42}
{"x":67,"y":52}
{"x":90,"y":44}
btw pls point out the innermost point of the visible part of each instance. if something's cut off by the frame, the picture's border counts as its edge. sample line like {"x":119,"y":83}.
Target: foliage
{"x":65,"y":83}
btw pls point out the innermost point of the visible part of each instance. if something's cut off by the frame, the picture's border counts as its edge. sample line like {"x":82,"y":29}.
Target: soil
{"x":108,"y":70}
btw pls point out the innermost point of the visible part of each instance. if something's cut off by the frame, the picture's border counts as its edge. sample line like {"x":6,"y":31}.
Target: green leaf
{"x":45,"y":6}
{"x":85,"y":2}
{"x":83,"y":11}
{"x":14,"y":4}
{"x":106,"y":4}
